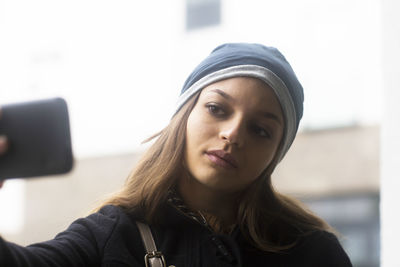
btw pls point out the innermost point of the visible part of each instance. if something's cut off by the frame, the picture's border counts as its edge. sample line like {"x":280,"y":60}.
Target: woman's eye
{"x":260,"y":131}
{"x":215,"y":109}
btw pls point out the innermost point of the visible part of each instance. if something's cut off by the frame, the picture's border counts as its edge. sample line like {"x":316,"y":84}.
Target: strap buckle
{"x":154,"y":254}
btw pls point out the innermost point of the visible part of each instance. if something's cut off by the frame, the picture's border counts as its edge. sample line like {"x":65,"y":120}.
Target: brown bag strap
{"x":153,"y":258}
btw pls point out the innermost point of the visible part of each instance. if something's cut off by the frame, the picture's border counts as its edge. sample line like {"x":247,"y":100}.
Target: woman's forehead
{"x":251,"y":93}
{"x":241,"y":87}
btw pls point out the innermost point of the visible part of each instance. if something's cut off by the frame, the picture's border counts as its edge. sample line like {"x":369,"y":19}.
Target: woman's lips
{"x":221,"y":158}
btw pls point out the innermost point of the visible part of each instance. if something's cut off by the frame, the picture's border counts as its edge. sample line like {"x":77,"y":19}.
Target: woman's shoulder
{"x":318,"y":237}
{"x":106,"y":215}
{"x":322,"y":247}
{"x":100,"y":224}
{"x":110,"y":210}
{"x":113,"y":213}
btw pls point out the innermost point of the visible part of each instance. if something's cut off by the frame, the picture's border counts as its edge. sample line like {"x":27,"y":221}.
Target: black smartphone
{"x":38,"y":133}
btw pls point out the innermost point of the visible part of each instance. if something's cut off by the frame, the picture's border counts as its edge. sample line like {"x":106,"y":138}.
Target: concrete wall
{"x":323,"y":162}
{"x":52,"y":203}
{"x":335,"y":161}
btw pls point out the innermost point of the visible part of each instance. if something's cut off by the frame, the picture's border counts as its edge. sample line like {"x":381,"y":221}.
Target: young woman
{"x":204,"y":186}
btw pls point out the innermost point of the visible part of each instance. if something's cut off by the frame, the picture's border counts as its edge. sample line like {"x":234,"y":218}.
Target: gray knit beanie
{"x":258,"y":61}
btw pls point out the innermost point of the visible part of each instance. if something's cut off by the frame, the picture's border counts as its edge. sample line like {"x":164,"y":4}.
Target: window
{"x":356,"y":217}
{"x":202,"y":13}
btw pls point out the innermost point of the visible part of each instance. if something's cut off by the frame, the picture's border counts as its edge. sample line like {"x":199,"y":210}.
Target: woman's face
{"x":233,"y":133}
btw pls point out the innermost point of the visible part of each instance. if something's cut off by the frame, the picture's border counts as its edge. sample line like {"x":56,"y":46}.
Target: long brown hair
{"x":270,"y":221}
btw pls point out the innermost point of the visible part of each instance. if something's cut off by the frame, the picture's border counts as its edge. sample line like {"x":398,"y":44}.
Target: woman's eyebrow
{"x":222,"y":93}
{"x":271,"y":116}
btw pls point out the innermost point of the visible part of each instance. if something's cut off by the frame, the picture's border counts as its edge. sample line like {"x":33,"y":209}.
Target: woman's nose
{"x":232,"y":132}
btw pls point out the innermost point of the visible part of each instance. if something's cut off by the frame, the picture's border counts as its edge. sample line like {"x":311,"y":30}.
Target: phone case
{"x":39,"y":139}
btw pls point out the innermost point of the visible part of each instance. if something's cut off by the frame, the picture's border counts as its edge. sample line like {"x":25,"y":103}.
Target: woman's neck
{"x":211,"y":203}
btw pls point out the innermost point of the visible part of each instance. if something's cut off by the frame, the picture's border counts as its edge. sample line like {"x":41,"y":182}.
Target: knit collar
{"x":177,"y":202}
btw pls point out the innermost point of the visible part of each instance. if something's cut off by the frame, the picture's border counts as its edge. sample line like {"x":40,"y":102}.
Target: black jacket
{"x":110,"y":238}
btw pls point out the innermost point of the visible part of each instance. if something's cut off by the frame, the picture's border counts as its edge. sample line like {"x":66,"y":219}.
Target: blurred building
{"x":120,"y":67}
{"x":334,"y":171}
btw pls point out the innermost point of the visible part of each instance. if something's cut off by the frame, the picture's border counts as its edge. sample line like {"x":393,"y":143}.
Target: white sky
{"x":120,"y":64}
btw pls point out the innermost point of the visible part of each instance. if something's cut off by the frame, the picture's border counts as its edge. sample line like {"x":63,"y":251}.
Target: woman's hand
{"x":3,"y":144}
{"x":3,"y":149}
